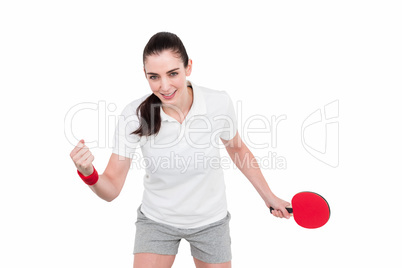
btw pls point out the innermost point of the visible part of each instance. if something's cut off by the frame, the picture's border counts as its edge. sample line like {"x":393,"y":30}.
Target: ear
{"x":189,"y":68}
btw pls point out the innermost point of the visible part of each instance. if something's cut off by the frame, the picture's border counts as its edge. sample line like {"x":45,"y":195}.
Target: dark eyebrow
{"x":166,"y":72}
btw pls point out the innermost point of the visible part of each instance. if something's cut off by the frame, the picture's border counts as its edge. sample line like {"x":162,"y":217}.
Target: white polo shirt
{"x":183,"y":182}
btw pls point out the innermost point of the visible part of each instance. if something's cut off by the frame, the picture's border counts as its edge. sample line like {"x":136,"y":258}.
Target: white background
{"x":276,"y":57}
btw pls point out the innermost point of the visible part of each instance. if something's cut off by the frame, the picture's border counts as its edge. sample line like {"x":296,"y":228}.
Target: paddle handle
{"x":289,"y":209}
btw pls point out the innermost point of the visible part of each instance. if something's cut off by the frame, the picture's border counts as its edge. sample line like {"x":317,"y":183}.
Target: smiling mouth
{"x":167,"y":95}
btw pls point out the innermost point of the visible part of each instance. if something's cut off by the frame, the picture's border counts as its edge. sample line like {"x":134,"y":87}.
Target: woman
{"x":178,"y":128}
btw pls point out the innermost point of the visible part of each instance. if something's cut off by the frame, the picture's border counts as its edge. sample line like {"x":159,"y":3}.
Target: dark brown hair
{"x":149,"y":110}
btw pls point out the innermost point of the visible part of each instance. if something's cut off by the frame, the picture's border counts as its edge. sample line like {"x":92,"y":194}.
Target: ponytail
{"x":150,"y":118}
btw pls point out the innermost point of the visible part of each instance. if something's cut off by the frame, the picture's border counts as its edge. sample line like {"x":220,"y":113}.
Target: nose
{"x":165,"y":85}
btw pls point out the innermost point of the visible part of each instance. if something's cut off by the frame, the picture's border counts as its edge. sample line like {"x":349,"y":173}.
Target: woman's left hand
{"x":279,"y":206}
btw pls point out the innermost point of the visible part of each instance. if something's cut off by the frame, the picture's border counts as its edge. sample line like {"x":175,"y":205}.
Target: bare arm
{"x":112,"y":180}
{"x":248,"y":165}
{"x":110,"y":183}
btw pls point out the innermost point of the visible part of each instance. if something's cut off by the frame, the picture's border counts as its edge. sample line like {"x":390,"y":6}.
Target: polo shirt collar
{"x":198,"y":106}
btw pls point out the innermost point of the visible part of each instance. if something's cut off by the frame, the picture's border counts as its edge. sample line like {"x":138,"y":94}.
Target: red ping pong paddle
{"x":310,"y":210}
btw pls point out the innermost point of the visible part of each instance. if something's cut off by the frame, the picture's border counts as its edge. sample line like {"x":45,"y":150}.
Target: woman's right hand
{"x":82,"y":158}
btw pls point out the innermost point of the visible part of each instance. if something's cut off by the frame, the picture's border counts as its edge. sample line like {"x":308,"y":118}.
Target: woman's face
{"x":166,"y":76}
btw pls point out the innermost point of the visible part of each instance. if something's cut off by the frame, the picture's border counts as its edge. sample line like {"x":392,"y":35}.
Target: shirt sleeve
{"x":230,"y":119}
{"x":125,"y":143}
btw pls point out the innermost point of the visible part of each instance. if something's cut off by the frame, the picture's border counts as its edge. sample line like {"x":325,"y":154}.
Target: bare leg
{"x":201,"y":264}
{"x":151,"y":260}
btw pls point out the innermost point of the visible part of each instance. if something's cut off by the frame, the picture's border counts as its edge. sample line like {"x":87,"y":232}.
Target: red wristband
{"x":91,"y":179}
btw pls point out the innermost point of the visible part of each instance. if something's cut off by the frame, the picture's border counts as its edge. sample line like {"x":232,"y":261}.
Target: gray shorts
{"x":209,"y":243}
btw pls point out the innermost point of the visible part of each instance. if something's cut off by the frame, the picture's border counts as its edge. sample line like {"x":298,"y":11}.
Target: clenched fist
{"x":82,"y":158}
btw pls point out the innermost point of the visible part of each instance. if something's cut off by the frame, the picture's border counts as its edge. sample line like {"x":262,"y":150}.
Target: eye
{"x":173,"y":74}
{"x":153,"y":77}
